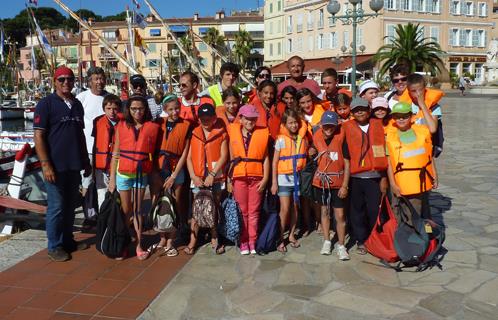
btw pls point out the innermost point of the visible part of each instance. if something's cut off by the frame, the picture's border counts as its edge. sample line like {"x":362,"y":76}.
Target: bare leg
{"x":292,"y":227}
{"x":285,"y":202}
{"x":325,"y":222}
{"x":341,"y":224}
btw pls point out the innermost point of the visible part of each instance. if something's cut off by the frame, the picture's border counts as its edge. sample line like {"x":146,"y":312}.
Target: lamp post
{"x":337,"y":60}
{"x":353,"y":17}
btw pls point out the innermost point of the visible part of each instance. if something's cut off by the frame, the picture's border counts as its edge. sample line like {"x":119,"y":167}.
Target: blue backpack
{"x":229,"y":226}
{"x":269,"y":237}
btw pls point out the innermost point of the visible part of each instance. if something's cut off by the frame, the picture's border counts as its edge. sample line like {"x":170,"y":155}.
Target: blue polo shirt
{"x":63,"y":126}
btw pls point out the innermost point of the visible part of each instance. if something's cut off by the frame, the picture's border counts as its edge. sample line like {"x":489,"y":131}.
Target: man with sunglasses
{"x":139,"y":87}
{"x":398,"y":74}
{"x":190,"y":101}
{"x":61,"y":148}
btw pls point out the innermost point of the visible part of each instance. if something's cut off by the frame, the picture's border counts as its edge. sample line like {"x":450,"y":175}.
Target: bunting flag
{"x":139,"y":20}
{"x":46,"y":45}
{"x":33,"y":58}
{"x":135,"y":2}
{"x":2,"y":41}
{"x":140,"y":43}
{"x":62,"y":34}
{"x":35,"y":2}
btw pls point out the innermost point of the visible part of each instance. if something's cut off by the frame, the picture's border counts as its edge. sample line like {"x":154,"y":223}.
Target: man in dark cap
{"x":139,"y":87}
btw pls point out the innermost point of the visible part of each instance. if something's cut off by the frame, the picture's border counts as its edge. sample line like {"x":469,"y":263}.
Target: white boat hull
{"x":29,"y":115}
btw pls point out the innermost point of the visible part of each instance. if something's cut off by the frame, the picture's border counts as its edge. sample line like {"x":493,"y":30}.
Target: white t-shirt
{"x":365,"y":128}
{"x":92,"y":105}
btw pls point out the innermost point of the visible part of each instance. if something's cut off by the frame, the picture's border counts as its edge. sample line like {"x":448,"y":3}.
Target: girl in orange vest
{"x":380,"y":110}
{"x":104,"y":127}
{"x":133,"y":154}
{"x":175,"y":141}
{"x":289,"y":159}
{"x":331,"y":180}
{"x":288,"y":96}
{"x":310,"y":108}
{"x":342,"y":103}
{"x":206,"y":160}
{"x":230,"y":109}
{"x":250,"y":172}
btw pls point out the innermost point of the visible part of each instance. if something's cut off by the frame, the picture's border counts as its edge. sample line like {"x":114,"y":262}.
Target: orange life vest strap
{"x":422,"y":175}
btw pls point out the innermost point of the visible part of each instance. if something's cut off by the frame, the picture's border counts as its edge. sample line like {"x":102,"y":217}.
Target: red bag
{"x":380,"y":243}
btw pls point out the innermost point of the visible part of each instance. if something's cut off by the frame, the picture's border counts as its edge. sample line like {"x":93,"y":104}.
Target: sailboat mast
{"x":131,"y":37}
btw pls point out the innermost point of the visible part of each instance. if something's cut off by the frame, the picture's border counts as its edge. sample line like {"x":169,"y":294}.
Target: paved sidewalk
{"x":305,"y":285}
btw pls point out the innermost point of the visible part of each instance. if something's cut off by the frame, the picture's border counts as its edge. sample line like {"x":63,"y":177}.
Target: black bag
{"x":112,"y":235}
{"x":270,"y":229}
{"x":90,"y":202}
{"x":438,"y":140}
{"x":306,"y":179}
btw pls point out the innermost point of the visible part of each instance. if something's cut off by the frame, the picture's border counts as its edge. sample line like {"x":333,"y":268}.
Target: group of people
{"x":252,"y":144}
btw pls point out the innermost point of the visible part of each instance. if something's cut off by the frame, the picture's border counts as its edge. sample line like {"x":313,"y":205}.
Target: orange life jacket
{"x":327,"y":104}
{"x":205,"y":152}
{"x":275,"y":119}
{"x":412,"y":163}
{"x":263,"y":115}
{"x":189,"y":113}
{"x":172,"y":144}
{"x":103,"y":142}
{"x":315,"y":118}
{"x":221,"y":112}
{"x":431,"y":99}
{"x":292,"y":158}
{"x":367,"y":151}
{"x":250,"y":163}
{"x":137,"y":148}
{"x":251,"y":95}
{"x":330,"y":171}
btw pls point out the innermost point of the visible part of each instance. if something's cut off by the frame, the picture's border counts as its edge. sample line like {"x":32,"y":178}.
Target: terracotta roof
{"x":318,"y":65}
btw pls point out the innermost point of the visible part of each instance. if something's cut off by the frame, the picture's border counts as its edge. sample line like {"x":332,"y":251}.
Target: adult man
{"x":229,"y":72}
{"x":61,"y":148}
{"x":329,"y":82}
{"x":190,"y":101}
{"x":139,"y":87}
{"x":296,"y":68}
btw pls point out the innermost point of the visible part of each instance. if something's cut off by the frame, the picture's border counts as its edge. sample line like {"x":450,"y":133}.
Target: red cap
{"x":63,"y":71}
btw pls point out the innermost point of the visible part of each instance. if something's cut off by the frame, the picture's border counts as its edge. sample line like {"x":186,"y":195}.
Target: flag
{"x":35,"y":2}
{"x":2,"y":40}
{"x":33,"y":58}
{"x":46,"y":45}
{"x":140,"y":43}
{"x":139,"y":20}
{"x":62,"y":35}
{"x":135,"y":2}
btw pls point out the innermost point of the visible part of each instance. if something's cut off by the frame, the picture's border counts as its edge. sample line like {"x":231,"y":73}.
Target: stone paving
{"x":305,"y":285}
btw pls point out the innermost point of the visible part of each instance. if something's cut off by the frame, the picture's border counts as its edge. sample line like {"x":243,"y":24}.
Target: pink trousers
{"x":245,"y":192}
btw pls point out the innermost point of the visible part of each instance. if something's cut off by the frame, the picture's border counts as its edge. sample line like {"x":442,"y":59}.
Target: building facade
{"x":462,"y":27}
{"x":274,"y":31}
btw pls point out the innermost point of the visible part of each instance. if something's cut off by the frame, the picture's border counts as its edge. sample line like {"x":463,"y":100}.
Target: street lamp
{"x":337,"y":60}
{"x":354,"y":16}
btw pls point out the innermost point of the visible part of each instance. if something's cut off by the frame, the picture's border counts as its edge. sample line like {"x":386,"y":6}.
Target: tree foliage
{"x":242,"y":47}
{"x":84,"y":14}
{"x":411,"y":48}
{"x":215,"y":40}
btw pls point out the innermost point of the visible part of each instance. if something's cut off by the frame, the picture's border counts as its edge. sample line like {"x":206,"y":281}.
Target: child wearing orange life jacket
{"x":175,"y":140}
{"x":331,"y":179}
{"x":331,"y":90}
{"x":342,"y":103}
{"x":289,"y":159}
{"x":409,"y":149}
{"x":380,"y":110}
{"x":366,"y":145}
{"x":288,"y":97}
{"x":368,"y":90}
{"x":229,"y":110}
{"x":250,"y":172}
{"x":206,"y":160}
{"x":104,"y":128}
{"x":134,"y":150}
{"x":310,"y":108}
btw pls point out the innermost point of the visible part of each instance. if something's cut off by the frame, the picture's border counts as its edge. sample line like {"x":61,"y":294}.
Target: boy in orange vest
{"x":366,"y":144}
{"x":409,"y":148}
{"x":420,"y":97}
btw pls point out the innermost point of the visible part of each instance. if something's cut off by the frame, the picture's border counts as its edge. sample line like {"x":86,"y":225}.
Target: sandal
{"x":142,"y":255}
{"x":294,"y":244}
{"x":170,"y":252}
{"x":220,"y":249}
{"x":281,"y":248}
{"x":189,"y":251}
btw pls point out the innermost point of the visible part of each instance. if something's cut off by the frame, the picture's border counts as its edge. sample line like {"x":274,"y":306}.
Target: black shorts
{"x":320,"y":196}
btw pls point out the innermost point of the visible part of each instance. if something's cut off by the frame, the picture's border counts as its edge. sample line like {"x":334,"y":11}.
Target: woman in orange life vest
{"x":133,"y":154}
{"x":330,"y":182}
{"x":104,"y":128}
{"x":366,"y":145}
{"x":289,"y":159}
{"x":250,"y":172}
{"x":262,"y":73}
{"x":175,"y":141}
{"x":229,"y":110}
{"x":310,"y":108}
{"x":206,"y":160}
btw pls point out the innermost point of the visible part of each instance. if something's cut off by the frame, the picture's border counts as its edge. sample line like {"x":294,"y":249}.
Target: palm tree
{"x":242,"y":47}
{"x":186,"y":43}
{"x":215,"y":40}
{"x":411,"y":48}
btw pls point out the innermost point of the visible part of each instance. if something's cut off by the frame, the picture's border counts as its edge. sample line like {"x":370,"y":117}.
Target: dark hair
{"x":127,"y":114}
{"x":399,"y":69}
{"x":329,"y":72}
{"x":230,"y":92}
{"x":229,"y":66}
{"x":295,"y":57}
{"x":341,"y":99}
{"x":268,"y":83}
{"x":193,"y":77}
{"x":95,"y":70}
{"x":415,"y":78}
{"x":290,"y":113}
{"x":158,"y":96}
{"x":289,"y":89}
{"x":301,"y":93}
{"x":261,"y":69}
{"x":111,"y":99}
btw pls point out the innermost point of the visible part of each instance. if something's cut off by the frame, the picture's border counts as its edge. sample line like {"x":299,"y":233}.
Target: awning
{"x":230,"y":27}
{"x":177,"y":28}
{"x":323,"y":63}
{"x":254,"y":27}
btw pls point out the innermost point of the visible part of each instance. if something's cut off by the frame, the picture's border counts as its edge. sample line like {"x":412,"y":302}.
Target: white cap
{"x":367,"y":84}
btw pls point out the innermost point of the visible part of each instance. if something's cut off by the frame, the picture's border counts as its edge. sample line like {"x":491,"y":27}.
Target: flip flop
{"x":142,"y":255}
{"x":189,"y":251}
{"x":294,"y":244}
{"x":281,"y":248}
{"x":170,"y":252}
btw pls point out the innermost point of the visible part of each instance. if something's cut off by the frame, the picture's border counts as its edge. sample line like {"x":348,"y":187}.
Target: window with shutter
{"x":475,"y":38}
{"x":462,"y":37}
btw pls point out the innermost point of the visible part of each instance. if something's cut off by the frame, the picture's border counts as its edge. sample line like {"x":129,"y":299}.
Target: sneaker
{"x":360,"y":249}
{"x":59,"y":255}
{"x":244,"y":249}
{"x":342,"y":253}
{"x":77,"y":246}
{"x":326,"y":247}
{"x":253,"y":252}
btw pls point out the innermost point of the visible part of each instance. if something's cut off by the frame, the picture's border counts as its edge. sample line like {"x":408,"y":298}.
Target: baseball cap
{"x":359,"y":102}
{"x":402,"y":107}
{"x":365,"y":85}
{"x":169,"y":97}
{"x":329,"y":118}
{"x":248,"y":111}
{"x":137,"y":79}
{"x":206,"y":110}
{"x":63,"y":71}
{"x":380,"y":102}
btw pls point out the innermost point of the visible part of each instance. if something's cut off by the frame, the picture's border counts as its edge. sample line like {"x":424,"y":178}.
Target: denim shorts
{"x":180,"y":178}
{"x":125,"y":184}
{"x":287,"y":191}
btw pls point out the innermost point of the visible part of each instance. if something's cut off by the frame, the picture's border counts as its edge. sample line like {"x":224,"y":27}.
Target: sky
{"x":166,"y":8}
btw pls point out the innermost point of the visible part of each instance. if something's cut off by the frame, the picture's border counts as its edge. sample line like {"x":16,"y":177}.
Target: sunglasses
{"x":138,"y":85}
{"x":264,"y":76}
{"x":68,"y":79}
{"x":401,"y":116}
{"x":400,"y":79}
{"x":183,"y":85}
